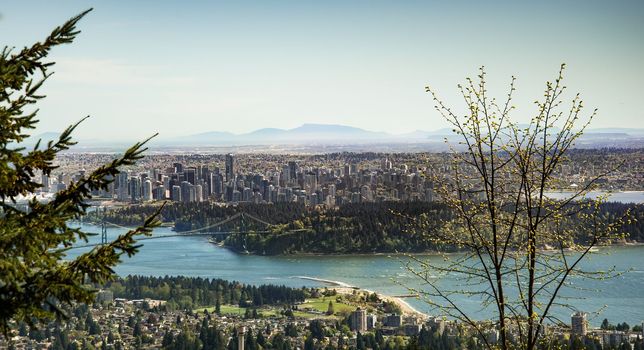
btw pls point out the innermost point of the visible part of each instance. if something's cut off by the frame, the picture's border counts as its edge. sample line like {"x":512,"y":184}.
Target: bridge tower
{"x":242,"y":228}
{"x":103,"y":229}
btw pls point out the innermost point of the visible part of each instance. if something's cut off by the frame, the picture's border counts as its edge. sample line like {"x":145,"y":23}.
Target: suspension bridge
{"x":241,"y":223}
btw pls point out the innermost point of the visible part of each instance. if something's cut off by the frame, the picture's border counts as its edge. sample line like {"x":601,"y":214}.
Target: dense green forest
{"x":189,"y":292}
{"x":352,"y":228}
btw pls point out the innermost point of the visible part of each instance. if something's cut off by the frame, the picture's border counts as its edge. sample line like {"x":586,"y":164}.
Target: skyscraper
{"x":230,"y":167}
{"x":190,"y":175}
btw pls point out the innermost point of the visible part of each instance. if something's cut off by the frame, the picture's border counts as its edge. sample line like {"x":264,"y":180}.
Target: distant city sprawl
{"x":326,"y":179}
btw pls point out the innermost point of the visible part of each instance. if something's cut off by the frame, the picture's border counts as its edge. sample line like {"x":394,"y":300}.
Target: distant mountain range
{"x":333,"y":134}
{"x":307,"y":133}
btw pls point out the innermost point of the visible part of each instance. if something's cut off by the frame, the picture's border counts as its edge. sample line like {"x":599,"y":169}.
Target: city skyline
{"x":160,"y":67}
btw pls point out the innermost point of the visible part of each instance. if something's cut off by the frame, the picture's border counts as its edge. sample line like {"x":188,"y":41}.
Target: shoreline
{"x":402,"y":254}
{"x":345,"y":288}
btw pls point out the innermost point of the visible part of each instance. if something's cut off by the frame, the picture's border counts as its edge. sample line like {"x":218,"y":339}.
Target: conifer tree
{"x":35,"y":280}
{"x":329,"y":310}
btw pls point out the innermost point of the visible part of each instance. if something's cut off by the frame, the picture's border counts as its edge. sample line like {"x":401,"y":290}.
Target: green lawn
{"x":319,"y":304}
{"x":322,"y":304}
{"x":236,"y":310}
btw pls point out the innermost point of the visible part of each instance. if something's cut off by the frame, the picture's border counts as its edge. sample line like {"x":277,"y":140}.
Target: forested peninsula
{"x":386,"y":227}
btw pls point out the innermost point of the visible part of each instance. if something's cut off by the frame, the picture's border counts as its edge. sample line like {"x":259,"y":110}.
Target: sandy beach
{"x":345,"y":288}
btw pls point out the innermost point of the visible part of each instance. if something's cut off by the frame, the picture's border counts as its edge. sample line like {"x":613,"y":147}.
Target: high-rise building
{"x":247,"y":194}
{"x":436,"y":324}
{"x":147,"y":190}
{"x":310,"y":182}
{"x":332,"y":190}
{"x":135,"y":188}
{"x":579,"y":325}
{"x":237,"y":196}
{"x":186,"y":192}
{"x":292,"y":171}
{"x":230,"y":167}
{"x":202,"y":172}
{"x":166,"y":181}
{"x":371,"y":321}
{"x":392,"y":320}
{"x":45,"y":183}
{"x":122,"y":187}
{"x":241,"y":331}
{"x":190,"y":175}
{"x":216,"y":185}
{"x":158,"y":193}
{"x":175,"y":194}
{"x":358,"y":320}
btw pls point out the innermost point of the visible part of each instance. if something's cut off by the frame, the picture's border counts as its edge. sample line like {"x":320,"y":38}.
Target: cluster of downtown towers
{"x":308,"y":185}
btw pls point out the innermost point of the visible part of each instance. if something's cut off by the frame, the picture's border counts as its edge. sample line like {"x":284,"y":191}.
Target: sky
{"x":186,"y":67}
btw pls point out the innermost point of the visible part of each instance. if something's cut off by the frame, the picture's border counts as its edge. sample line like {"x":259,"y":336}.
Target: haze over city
{"x":181,"y":69}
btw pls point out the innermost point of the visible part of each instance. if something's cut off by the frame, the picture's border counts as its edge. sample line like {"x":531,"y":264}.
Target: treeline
{"x":633,"y":229}
{"x":352,"y":228}
{"x":384,"y":228}
{"x":192,"y":292}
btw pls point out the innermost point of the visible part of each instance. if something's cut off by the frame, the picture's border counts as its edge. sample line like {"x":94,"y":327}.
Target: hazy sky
{"x":184,"y":67}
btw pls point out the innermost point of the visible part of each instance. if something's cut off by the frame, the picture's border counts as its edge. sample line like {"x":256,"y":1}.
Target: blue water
{"x":194,"y":256}
{"x":624,"y":197}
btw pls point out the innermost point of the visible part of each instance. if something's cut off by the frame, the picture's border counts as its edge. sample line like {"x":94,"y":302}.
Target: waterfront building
{"x":411,"y":329}
{"x":437,"y":324}
{"x":392,"y":320}
{"x":135,"y":189}
{"x":579,"y":324}
{"x":371,"y":321}
{"x":358,"y":320}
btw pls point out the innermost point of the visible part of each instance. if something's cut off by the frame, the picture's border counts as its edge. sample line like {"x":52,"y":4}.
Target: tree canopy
{"x":521,"y":246}
{"x":35,"y":278}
